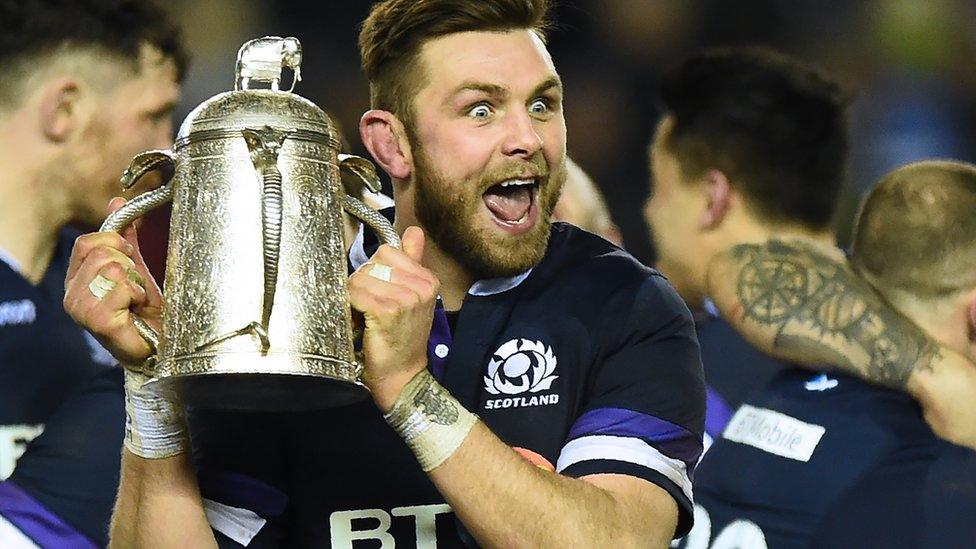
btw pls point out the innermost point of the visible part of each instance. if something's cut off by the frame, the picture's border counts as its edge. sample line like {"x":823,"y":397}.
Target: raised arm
{"x":502,"y":499}
{"x":159,"y":504}
{"x":800,"y":301}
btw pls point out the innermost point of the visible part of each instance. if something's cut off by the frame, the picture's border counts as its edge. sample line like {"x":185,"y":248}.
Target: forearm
{"x":505,"y":501}
{"x":802,"y":303}
{"x":159,"y":505}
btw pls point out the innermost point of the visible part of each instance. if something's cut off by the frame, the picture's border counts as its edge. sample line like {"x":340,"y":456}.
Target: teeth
{"x":518,"y":182}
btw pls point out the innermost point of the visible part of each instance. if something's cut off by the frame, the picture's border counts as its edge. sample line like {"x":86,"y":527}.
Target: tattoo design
{"x":435,"y":403}
{"x":822,"y":311}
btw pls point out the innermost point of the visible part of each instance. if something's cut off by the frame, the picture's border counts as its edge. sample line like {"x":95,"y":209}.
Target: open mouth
{"x":512,"y":202}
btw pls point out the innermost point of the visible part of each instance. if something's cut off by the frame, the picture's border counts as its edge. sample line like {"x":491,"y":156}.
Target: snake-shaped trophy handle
{"x":364,"y":169}
{"x":118,"y":220}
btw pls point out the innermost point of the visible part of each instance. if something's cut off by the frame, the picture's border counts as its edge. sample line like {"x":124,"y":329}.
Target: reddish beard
{"x":447,"y":215}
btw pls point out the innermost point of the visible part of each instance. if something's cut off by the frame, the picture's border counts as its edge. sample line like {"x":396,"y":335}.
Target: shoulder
{"x":598,"y":271}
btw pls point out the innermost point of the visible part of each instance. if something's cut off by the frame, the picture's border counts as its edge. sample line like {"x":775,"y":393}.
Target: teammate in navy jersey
{"x":752,"y":149}
{"x":724,"y":111}
{"x":86,"y":85}
{"x":578,"y":360}
{"x":829,"y":461}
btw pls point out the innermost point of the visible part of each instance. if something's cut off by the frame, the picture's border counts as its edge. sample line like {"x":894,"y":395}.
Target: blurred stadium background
{"x":908,"y":64}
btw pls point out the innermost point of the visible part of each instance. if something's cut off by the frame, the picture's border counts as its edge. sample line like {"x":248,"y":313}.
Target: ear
{"x":718,"y":195}
{"x":60,"y":109}
{"x":385,"y":138}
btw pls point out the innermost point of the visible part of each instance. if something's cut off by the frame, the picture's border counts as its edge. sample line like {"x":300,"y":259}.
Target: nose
{"x":521,"y":138}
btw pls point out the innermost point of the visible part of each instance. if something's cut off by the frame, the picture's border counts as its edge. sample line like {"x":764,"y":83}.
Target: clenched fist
{"x":395,"y":296}
{"x":109,"y":318}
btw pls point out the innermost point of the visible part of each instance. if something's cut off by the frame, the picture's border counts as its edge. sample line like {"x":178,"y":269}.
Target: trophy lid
{"x":260,"y":61}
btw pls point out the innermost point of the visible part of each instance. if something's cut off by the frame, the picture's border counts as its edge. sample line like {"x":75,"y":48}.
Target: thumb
{"x":413,"y":243}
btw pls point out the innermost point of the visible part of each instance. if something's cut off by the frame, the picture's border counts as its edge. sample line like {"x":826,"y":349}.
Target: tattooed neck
{"x":824,"y":313}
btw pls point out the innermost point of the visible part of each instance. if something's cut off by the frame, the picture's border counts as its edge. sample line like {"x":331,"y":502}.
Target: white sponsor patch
{"x":240,"y":525}
{"x":377,"y":523}
{"x":19,"y":312}
{"x":774,"y":432}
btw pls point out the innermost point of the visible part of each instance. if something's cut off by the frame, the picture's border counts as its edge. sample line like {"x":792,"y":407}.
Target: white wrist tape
{"x":154,"y":426}
{"x":430,"y":420}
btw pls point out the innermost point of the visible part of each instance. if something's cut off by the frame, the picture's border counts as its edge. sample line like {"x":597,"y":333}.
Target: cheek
{"x":457,"y":151}
{"x":554,"y":141}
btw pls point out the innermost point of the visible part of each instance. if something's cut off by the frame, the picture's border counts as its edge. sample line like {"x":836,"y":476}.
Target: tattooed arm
{"x":800,"y":301}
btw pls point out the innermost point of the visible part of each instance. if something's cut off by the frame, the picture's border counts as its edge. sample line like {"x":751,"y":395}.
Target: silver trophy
{"x":256,"y":314}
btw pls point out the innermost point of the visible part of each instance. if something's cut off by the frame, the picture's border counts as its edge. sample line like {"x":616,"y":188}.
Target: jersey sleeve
{"x":62,"y":490}
{"x":643,"y":414}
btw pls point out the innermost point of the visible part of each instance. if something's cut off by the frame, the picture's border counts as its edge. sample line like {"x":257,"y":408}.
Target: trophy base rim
{"x":263,"y":392}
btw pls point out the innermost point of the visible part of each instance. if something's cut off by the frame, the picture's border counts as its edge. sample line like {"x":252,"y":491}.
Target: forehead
{"x":512,"y":59}
{"x":154,"y":85}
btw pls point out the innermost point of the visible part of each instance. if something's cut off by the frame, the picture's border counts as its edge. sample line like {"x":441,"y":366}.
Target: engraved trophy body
{"x":255,"y":312}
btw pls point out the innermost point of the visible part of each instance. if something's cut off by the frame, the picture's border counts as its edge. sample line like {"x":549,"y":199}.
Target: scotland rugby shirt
{"x":586,"y":364}
{"x":818,"y":460}
{"x":55,"y":379}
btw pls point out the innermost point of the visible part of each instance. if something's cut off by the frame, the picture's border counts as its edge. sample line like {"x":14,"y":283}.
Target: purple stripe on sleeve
{"x":242,"y":491}
{"x":671,"y":440}
{"x":38,"y":523}
{"x":717,"y":413}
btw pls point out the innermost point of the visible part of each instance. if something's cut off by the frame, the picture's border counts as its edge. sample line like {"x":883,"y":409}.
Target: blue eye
{"x":539,"y":107}
{"x":480,"y":111}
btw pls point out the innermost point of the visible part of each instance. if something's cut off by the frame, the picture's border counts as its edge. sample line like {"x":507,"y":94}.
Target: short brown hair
{"x":776,"y":126}
{"x":392,"y":35}
{"x":916,"y":231}
{"x":31,"y":30}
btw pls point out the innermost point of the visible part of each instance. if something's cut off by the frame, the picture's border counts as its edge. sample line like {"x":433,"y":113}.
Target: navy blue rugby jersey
{"x":733,"y":368}
{"x":829,"y":461}
{"x":57,"y":380}
{"x":586,"y":364}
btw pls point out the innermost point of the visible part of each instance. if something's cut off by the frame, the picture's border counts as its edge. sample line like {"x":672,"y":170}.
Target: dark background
{"x":908,"y":63}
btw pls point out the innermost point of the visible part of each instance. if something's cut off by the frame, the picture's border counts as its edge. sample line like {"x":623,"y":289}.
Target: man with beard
{"x":86,"y":85}
{"x":581,"y":363}
{"x":828,"y":460}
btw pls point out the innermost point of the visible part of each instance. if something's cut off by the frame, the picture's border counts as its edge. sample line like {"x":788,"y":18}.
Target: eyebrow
{"x":501,"y":92}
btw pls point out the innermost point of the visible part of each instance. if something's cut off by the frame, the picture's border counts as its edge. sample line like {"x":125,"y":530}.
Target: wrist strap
{"x":430,"y":420}
{"x":154,"y":426}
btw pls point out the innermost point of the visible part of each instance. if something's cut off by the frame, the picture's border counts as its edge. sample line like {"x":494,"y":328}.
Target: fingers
{"x":109,"y":318}
{"x":88,"y":243}
{"x":105,"y":261}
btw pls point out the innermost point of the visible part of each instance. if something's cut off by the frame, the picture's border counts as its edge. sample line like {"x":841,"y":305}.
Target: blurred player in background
{"x":85,"y":86}
{"x":828,"y":460}
{"x":752,"y":144}
{"x":582,"y":204}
